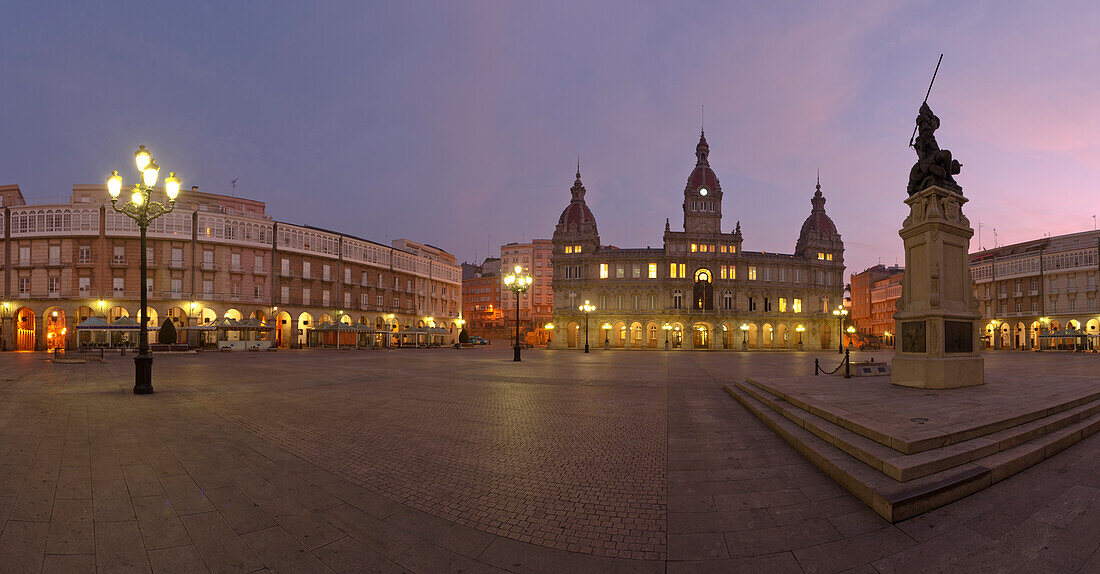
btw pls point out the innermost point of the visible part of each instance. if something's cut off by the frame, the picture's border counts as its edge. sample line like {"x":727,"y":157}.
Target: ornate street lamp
{"x":550,"y":336}
{"x":587,"y":308}
{"x":851,"y":331}
{"x":667,"y":328}
{"x":143,"y":210}
{"x":887,"y":341}
{"x":840,"y":313}
{"x":800,"y":329}
{"x":744,"y":336}
{"x":606,"y":335}
{"x":517,"y":283}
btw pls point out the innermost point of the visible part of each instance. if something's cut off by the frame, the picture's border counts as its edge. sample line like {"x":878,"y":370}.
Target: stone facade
{"x":213,"y":256}
{"x":709,"y":291}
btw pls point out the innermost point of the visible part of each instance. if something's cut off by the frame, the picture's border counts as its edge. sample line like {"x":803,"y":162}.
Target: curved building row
{"x":213,"y":256}
{"x":702,"y":289}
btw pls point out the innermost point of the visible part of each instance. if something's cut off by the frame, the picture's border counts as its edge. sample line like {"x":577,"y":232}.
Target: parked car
{"x":478,"y":341}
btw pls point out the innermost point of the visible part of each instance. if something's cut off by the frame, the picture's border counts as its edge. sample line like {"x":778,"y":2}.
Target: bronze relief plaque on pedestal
{"x":958,"y":337}
{"x":913,"y":338}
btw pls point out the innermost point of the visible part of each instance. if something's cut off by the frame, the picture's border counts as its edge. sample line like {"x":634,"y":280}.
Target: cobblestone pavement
{"x":448,"y":461}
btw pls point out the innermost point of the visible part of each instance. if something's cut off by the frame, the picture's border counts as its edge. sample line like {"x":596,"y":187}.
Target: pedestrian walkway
{"x":465,"y":461}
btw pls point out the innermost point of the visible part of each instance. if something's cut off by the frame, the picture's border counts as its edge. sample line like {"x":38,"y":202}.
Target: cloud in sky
{"x":453,"y":122}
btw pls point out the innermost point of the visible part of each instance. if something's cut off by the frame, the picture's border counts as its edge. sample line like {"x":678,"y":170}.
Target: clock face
{"x":702,"y":191}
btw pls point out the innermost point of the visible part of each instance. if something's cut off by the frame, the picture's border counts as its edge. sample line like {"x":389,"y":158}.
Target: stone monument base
{"x":938,"y":373}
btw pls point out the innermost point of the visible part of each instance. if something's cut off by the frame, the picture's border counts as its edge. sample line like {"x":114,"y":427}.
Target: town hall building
{"x":702,"y":290}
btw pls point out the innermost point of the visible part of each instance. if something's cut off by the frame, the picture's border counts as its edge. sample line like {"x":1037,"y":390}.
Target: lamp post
{"x":851,"y":331}
{"x":1043,"y":322}
{"x":667,"y":328}
{"x":517,"y":283}
{"x":840,"y":313}
{"x":800,"y":329}
{"x":725,"y":337}
{"x":994,"y":335}
{"x":550,"y":335}
{"x":887,"y":341}
{"x":606,"y":335}
{"x":587,"y":308}
{"x":143,"y":210}
{"x":744,"y":336}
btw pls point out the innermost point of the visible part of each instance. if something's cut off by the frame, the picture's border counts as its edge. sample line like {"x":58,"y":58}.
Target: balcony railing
{"x":118,"y":261}
{"x":177,"y":264}
{"x":236,"y":268}
{"x":55,"y":262}
{"x":307,"y":276}
{"x":208,"y":266}
{"x":286,"y":274}
{"x":326,"y":278}
{"x":151,"y":263}
{"x":23,"y":264}
{"x":84,"y":262}
{"x":259,"y":271}
{"x":1033,"y":293}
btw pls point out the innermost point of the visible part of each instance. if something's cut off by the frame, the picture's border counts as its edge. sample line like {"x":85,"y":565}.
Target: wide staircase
{"x":903,"y":475}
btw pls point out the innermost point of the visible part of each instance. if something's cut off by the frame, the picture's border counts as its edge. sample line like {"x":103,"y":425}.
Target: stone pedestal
{"x":938,"y":344}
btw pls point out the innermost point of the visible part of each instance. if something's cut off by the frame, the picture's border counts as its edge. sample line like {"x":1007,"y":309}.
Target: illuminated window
{"x":619,"y":272}
{"x":576,"y":249}
{"x":723,"y":274}
{"x":672,"y":270}
{"x":828,"y":256}
{"x":652,"y":270}
{"x":694,"y":247}
{"x":723,"y":249}
{"x":821,"y":256}
{"x":682,"y":271}
{"x":733,"y":249}
{"x":796,"y":306}
{"x":568,"y":248}
{"x":603,"y":270}
{"x":752,"y":273}
{"x":782,"y":305}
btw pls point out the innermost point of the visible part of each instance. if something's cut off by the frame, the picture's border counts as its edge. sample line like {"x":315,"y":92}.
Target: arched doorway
{"x":345,"y":319}
{"x":753,"y":335}
{"x":258,"y":314}
{"x":1035,"y":329}
{"x":826,"y":337}
{"x":783,"y":336}
{"x":700,"y":336}
{"x":767,"y":336}
{"x":702,"y":294}
{"x":572,"y":335}
{"x":619,"y":335}
{"x":305,"y":323}
{"x":1018,"y":336}
{"x":282,"y":330}
{"x":24,"y":329}
{"x":151,"y":323}
{"x":57,"y":332}
{"x":677,"y":336}
{"x":651,"y":335}
{"x":208,"y":316}
{"x":234,"y":314}
{"x":1092,"y":328}
{"x":637,"y":340}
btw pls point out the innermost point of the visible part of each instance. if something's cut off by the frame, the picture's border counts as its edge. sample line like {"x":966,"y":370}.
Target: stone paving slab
{"x":443,"y":461}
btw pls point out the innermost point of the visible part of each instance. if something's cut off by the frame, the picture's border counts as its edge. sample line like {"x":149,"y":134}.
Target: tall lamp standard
{"x":143,"y":210}
{"x":517,"y":283}
{"x":744,"y":336}
{"x":800,"y":329}
{"x":587,"y":308}
{"x":667,"y":328}
{"x":1043,"y":322}
{"x":550,"y":334}
{"x":840,"y":315}
{"x":606,"y":335}
{"x":851,"y":331}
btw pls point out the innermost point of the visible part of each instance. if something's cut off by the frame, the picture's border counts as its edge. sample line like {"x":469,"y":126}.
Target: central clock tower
{"x":703,"y":194}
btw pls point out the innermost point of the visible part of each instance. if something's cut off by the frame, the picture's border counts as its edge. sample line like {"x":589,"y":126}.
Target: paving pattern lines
{"x":576,"y":467}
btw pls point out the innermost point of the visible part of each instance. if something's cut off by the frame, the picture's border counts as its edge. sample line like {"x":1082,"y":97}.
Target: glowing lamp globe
{"x":149,"y":174}
{"x":114,"y":184}
{"x":142,"y":158}
{"x":137,"y":198}
{"x":172,"y":186}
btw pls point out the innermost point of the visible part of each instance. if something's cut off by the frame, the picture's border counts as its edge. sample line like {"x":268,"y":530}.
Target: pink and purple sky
{"x":448,"y":122}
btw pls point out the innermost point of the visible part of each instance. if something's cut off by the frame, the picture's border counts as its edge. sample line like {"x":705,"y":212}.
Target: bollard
{"x":816,"y":367}
{"x":847,"y":364}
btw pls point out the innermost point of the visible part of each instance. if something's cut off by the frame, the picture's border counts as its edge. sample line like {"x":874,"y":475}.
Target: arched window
{"x":572,"y":299}
{"x":677,"y":299}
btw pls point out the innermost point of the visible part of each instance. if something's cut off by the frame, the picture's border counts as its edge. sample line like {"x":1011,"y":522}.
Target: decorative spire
{"x":818,"y":200}
{"x":702,"y":150}
{"x":666,"y":225}
{"x":578,"y":190}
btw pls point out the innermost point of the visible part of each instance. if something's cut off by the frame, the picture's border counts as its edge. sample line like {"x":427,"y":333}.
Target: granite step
{"x":896,"y":500}
{"x":905,"y":467}
{"x":934,"y":438}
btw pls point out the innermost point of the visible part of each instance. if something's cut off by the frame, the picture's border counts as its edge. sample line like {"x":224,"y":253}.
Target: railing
{"x":84,"y":262}
{"x":846,"y":362}
{"x":208,"y":266}
{"x":259,"y":271}
{"x":286,"y":274}
{"x":307,"y":276}
{"x":54,"y":262}
{"x":118,"y":261}
{"x":236,"y":268}
{"x":1033,"y":293}
{"x":150,"y":263}
{"x":23,"y":264}
{"x":177,"y":264}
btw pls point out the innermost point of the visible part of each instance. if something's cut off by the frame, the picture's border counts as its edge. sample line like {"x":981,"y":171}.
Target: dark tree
{"x":167,"y":335}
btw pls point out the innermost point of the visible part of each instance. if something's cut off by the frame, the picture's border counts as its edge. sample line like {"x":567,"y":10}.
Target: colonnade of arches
{"x":757,"y":335}
{"x":1026,"y":335}
{"x":46,"y":327}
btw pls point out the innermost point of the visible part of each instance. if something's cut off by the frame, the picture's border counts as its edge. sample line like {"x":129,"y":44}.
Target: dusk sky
{"x":449,"y":122}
